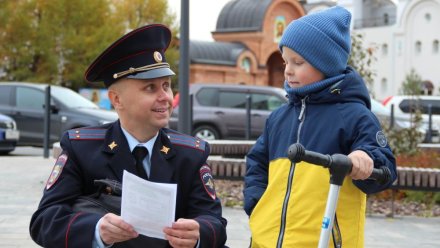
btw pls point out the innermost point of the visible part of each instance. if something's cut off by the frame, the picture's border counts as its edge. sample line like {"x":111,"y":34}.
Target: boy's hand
{"x":362,"y":165}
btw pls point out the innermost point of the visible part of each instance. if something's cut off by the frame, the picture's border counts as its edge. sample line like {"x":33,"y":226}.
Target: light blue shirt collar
{"x":133,"y":142}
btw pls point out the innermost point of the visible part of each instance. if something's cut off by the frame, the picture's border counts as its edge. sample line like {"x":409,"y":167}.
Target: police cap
{"x":140,"y":54}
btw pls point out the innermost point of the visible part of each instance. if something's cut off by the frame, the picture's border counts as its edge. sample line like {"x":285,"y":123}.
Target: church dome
{"x":242,"y":16}
{"x":220,"y":53}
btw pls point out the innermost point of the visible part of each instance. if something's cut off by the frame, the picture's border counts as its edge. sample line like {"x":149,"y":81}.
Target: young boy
{"x":328,"y":112}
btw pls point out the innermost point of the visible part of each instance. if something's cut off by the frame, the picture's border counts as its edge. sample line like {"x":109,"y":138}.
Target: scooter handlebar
{"x":337,"y":163}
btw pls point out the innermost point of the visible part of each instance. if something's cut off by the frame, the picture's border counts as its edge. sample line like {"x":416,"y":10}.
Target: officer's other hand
{"x":362,"y":165}
{"x":183,"y":233}
{"x":113,"y":229}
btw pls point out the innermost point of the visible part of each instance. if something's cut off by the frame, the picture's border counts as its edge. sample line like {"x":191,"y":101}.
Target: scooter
{"x":339,"y":166}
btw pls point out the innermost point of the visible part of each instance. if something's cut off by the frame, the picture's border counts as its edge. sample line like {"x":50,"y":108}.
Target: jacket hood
{"x":347,"y":87}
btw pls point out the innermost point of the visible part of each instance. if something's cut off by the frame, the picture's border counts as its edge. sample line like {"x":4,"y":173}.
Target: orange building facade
{"x":245,"y":47}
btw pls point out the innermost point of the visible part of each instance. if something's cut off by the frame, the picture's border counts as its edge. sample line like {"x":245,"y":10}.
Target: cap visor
{"x":155,"y":73}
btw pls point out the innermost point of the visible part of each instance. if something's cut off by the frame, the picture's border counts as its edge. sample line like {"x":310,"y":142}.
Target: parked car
{"x":404,"y":121}
{"x":219,"y":110}
{"x":8,"y":134}
{"x":24,"y":102}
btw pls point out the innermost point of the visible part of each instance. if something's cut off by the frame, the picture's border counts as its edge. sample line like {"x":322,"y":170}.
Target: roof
{"x":242,"y":16}
{"x":219,"y":53}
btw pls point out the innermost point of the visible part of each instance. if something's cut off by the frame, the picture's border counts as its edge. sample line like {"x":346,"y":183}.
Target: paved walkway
{"x":22,"y":179}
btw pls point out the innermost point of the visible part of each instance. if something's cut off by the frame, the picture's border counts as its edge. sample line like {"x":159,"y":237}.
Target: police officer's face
{"x":145,"y":103}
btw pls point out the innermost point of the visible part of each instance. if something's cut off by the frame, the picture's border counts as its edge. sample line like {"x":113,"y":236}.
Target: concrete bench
{"x":231,"y":148}
{"x":225,"y":167}
{"x":410,"y":178}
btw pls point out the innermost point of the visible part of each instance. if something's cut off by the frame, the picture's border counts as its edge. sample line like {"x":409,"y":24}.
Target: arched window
{"x":386,"y":18}
{"x":435,"y":46}
{"x":428,"y":17}
{"x":399,"y":48}
{"x":246,"y":64}
{"x":384,"y":85}
{"x":418,"y":47}
{"x":385,"y":49}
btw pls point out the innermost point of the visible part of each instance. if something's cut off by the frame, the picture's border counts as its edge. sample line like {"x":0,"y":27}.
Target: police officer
{"x":137,"y":76}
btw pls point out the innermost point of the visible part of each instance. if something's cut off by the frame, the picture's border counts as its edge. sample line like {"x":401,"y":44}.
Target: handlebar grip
{"x":381,"y":175}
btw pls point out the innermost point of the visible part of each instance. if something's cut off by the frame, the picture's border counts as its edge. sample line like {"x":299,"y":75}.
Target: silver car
{"x":219,"y":110}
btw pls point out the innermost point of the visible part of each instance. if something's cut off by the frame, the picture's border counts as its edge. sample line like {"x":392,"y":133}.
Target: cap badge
{"x":157,"y":56}
{"x":165,"y":149}
{"x":112,"y":145}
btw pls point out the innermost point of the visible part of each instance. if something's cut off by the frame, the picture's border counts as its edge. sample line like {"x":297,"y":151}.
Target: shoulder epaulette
{"x":186,"y":140}
{"x":87,"y":134}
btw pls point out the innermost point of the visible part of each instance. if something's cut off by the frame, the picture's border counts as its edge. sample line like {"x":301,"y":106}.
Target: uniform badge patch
{"x":381,"y":139}
{"x":56,"y":171}
{"x":208,"y":181}
{"x":165,"y":149}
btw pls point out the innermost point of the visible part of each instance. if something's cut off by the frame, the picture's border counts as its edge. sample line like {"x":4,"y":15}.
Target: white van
{"x":405,"y":105}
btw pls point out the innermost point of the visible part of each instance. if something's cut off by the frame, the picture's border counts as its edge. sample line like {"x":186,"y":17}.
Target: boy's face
{"x":298,"y":71}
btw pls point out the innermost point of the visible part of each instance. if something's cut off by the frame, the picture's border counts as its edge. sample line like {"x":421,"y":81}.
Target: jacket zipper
{"x":301,"y":118}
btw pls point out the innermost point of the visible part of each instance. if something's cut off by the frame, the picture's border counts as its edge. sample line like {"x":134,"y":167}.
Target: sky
{"x":203,"y":16}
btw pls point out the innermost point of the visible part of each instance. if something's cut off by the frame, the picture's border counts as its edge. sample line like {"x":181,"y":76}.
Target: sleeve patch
{"x":56,"y":171}
{"x":208,"y":181}
{"x":381,"y":139}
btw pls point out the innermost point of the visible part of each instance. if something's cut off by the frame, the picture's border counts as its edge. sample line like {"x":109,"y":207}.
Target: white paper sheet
{"x":148,"y":206}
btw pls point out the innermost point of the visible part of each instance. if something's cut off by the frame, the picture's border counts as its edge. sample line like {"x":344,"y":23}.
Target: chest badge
{"x":112,"y":145}
{"x":165,"y":149}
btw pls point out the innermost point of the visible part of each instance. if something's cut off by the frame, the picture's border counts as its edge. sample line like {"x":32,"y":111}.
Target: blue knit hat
{"x":322,"y":38}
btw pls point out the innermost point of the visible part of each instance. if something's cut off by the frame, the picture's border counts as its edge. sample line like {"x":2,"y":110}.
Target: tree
{"x":412,"y":84}
{"x":53,"y":41}
{"x":406,"y":141}
{"x":16,"y":33}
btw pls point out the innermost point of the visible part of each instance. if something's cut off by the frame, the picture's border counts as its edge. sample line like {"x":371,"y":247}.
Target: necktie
{"x":139,"y":153}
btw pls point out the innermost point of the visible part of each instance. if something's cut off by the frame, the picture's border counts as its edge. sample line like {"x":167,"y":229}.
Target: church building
{"x":245,"y":47}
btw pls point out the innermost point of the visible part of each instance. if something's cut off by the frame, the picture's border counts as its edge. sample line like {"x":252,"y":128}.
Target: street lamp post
{"x":184,"y":118}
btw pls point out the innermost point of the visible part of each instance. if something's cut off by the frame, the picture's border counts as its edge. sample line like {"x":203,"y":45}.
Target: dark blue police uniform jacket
{"x":102,"y":152}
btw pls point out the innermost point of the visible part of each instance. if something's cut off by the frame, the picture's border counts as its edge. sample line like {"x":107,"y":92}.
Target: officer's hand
{"x":113,"y":229}
{"x":362,"y":165}
{"x":183,"y":233}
